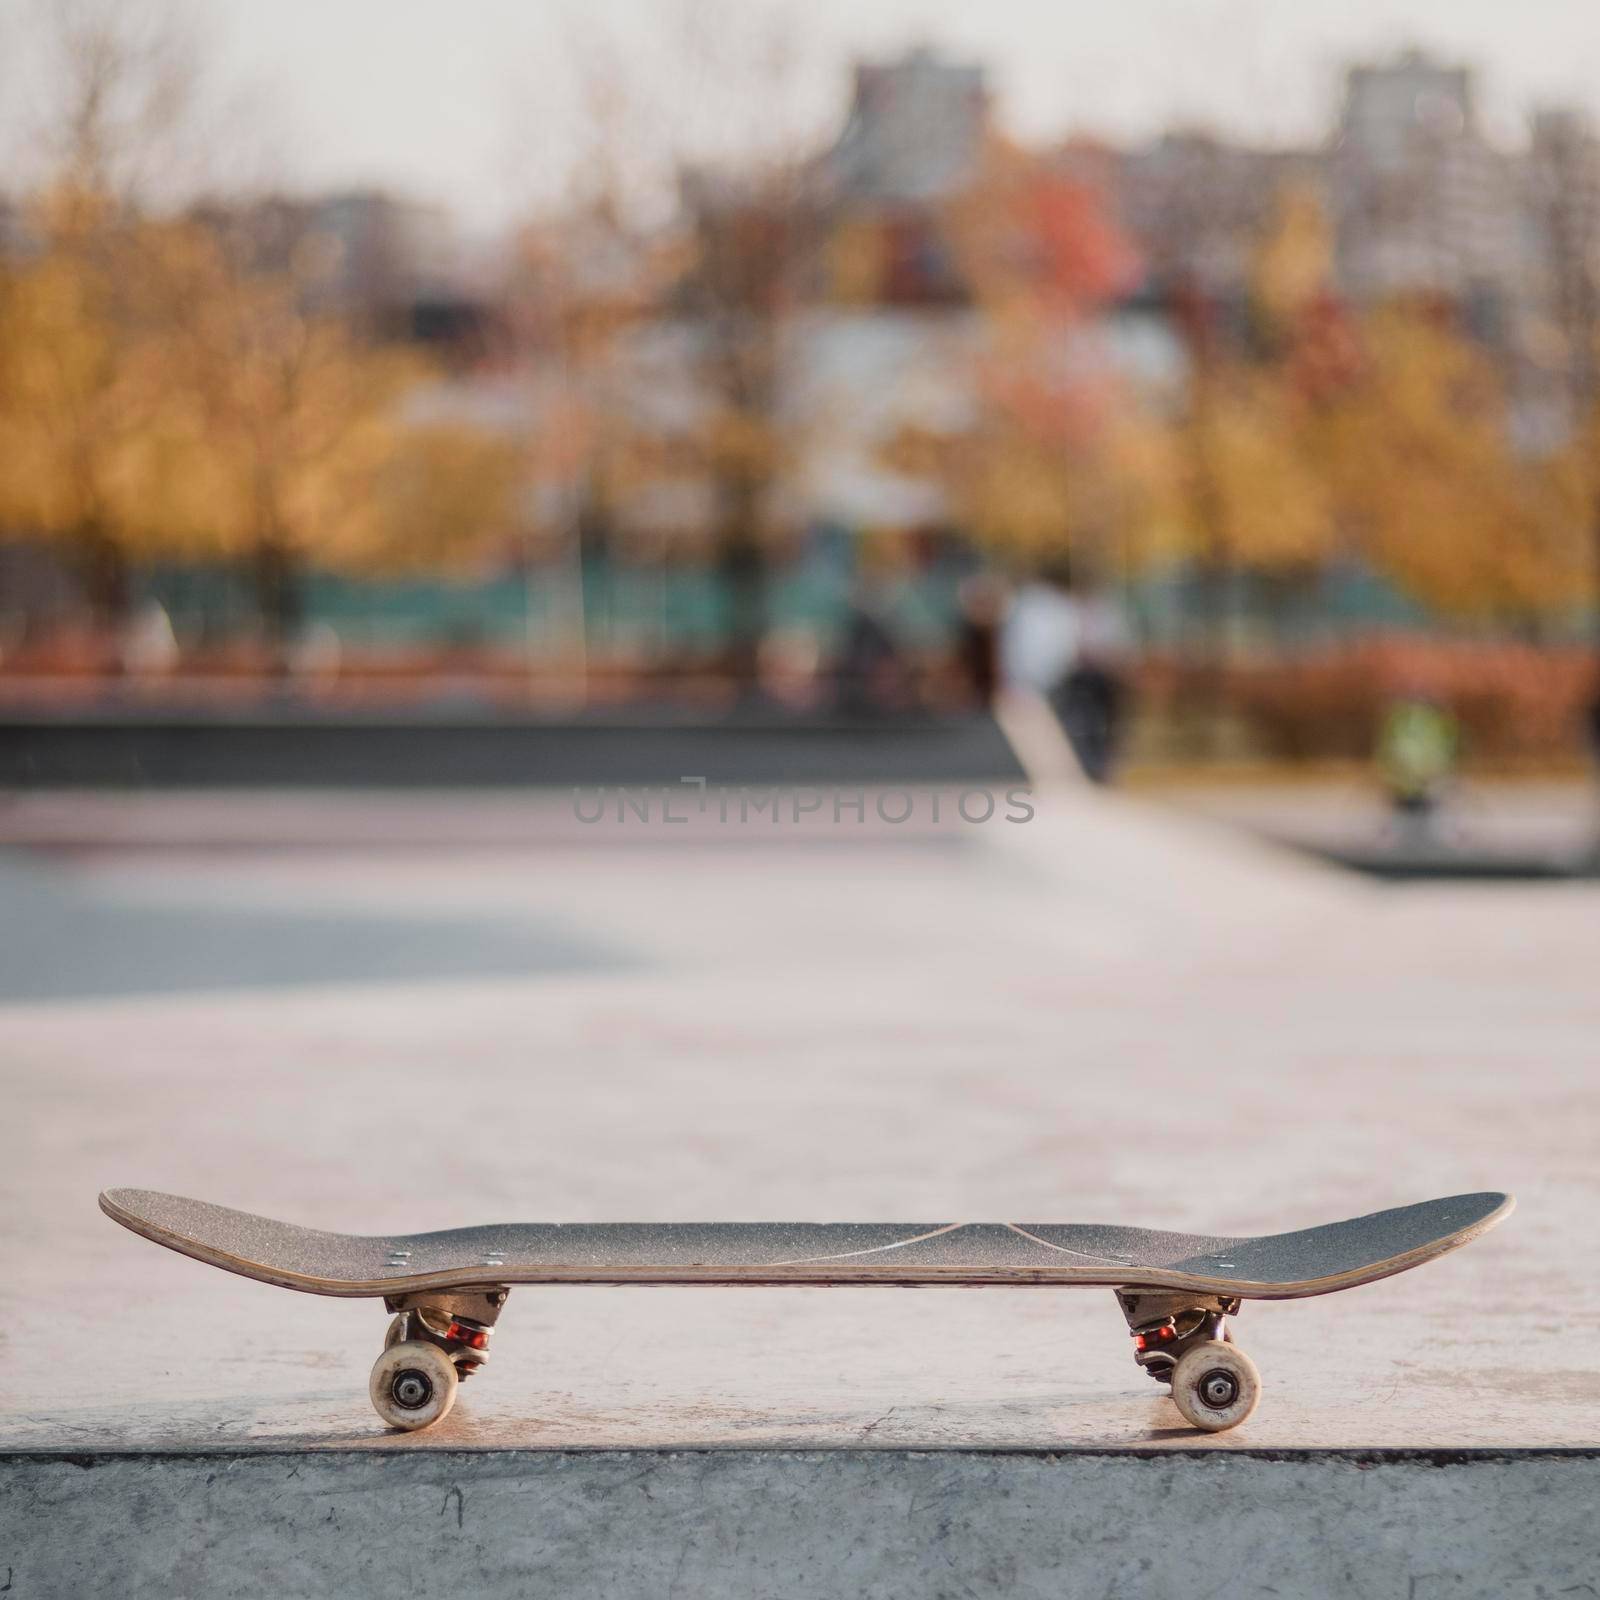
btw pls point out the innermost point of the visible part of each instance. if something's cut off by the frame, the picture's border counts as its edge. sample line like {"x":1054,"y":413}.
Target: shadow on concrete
{"x":59,"y":941}
{"x":1453,"y":866}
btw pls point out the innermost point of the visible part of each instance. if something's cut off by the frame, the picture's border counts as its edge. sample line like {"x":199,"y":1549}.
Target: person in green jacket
{"x":1418,"y":747}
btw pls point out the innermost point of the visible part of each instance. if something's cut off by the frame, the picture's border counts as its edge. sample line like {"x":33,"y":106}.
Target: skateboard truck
{"x":1182,"y":1338}
{"x":437,"y":1338}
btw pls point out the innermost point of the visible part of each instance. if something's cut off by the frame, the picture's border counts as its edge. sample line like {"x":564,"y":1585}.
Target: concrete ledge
{"x":1512,"y":1525}
{"x":304,"y":749}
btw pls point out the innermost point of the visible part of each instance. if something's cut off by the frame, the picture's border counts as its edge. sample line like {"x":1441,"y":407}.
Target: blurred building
{"x":915,"y":130}
{"x":383,"y":253}
{"x":14,"y":236}
{"x":824,"y":306}
{"x":1196,"y":205}
{"x":1422,"y":202}
{"x":914,"y":137}
{"x":1560,"y":195}
{"x":392,"y":266}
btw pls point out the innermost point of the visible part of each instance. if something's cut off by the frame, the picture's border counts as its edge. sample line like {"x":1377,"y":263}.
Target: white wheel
{"x":413,"y":1385}
{"x":395,"y":1332}
{"x":1215,"y":1385}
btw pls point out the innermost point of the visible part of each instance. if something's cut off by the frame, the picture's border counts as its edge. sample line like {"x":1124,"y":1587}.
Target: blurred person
{"x":317,"y":654}
{"x":149,"y":644}
{"x":1039,"y":634}
{"x":872,"y":673}
{"x":982,"y":603}
{"x":789,"y":668}
{"x":1418,"y":747}
{"x":1068,"y":644}
{"x":1094,"y":699}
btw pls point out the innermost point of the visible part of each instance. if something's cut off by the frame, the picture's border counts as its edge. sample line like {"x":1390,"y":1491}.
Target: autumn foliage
{"x":163,"y":397}
{"x":1516,"y":703}
{"x":1304,"y":432}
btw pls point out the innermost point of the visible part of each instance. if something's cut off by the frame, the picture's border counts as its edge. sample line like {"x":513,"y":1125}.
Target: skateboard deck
{"x":1278,"y":1266}
{"x":447,"y":1288}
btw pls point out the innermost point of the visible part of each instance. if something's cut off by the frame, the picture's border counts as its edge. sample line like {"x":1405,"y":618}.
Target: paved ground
{"x":1532,"y":826}
{"x":418,"y":1012}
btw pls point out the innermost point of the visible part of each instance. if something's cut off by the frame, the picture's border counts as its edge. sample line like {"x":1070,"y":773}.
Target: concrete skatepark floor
{"x":1112,"y":1012}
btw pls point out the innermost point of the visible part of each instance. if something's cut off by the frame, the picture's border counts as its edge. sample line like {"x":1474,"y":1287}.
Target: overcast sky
{"x":471,"y":101}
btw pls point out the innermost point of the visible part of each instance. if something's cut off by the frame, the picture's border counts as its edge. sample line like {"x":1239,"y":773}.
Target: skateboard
{"x":445,"y":1291}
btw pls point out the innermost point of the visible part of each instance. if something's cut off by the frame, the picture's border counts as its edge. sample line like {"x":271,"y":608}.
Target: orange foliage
{"x":1515,"y":703}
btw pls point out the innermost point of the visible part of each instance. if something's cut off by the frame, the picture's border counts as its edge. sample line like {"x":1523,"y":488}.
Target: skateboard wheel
{"x":395,"y":1332}
{"x":1215,"y":1385}
{"x":413,"y":1385}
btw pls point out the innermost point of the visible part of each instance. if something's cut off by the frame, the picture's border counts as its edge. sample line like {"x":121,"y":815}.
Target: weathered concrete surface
{"x":1106,"y":1013}
{"x":800,"y":1524}
{"x":384,"y":1013}
{"x":1483,"y":826}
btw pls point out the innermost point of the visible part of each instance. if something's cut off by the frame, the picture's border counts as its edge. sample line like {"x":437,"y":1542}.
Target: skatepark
{"x":387,"y":1012}
{"x":799,"y":802}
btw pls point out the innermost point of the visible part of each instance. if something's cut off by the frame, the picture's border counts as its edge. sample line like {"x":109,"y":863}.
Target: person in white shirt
{"x":1040,"y":637}
{"x":1070,"y":647}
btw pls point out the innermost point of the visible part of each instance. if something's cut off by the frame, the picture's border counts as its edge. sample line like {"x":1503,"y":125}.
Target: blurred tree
{"x":123,"y":80}
{"x":1293,"y":263}
{"x":583,"y":281}
{"x":713,"y":128}
{"x":751,"y":241}
{"x":1385,"y":435}
{"x":1253,"y":496}
{"x":86,"y":423}
{"x":1259,"y":499}
{"x":159,"y":395}
{"x":445,"y":496}
{"x":1270,"y":511}
{"x":1563,"y":182}
{"x":90,"y":426}
{"x":1055,"y":459}
{"x":1430,"y":487}
{"x":294,"y":419}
